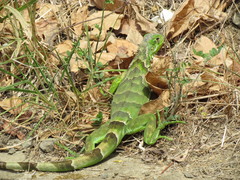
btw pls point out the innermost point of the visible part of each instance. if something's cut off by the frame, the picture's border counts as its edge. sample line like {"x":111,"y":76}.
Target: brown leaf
{"x":143,"y":23}
{"x":214,"y":82}
{"x":47,"y":10}
{"x":47,"y":25}
{"x":64,"y":47}
{"x":95,"y":94}
{"x":118,"y":5}
{"x":204,"y":44}
{"x":79,"y":16}
{"x":14,"y":103}
{"x":156,"y":78}
{"x":192,"y":87}
{"x":47,"y":29}
{"x":158,"y":104}
{"x":193,"y":13}
{"x":111,"y":20}
{"x":156,"y":83}
{"x":12,"y":130}
{"x":130,"y":29}
{"x":104,"y":57}
{"x":122,"y":48}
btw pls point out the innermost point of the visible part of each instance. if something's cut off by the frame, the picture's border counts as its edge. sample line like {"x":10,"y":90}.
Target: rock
{"x":11,"y":151}
{"x":47,"y":145}
{"x":188,"y":174}
{"x":104,"y":176}
{"x":27,"y":144}
{"x":236,"y":19}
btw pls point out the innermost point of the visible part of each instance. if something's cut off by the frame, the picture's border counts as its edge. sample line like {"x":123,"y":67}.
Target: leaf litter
{"x":204,"y":69}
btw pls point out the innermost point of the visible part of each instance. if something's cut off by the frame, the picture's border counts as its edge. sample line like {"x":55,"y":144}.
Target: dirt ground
{"x":203,"y":148}
{"x":198,"y":151}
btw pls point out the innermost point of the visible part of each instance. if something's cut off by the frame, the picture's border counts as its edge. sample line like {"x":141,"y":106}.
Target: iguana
{"x":131,"y":94}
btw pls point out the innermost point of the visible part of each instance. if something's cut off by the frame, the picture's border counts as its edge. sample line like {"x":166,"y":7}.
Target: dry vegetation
{"x":59,"y":58}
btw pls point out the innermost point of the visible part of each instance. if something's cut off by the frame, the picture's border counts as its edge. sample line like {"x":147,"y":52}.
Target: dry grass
{"x":58,"y":106}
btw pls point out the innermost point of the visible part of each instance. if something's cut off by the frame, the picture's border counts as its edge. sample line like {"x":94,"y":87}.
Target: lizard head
{"x":152,"y":43}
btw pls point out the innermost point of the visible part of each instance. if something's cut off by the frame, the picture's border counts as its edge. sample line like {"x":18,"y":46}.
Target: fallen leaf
{"x":46,"y":10}
{"x":104,"y":57}
{"x":117,"y":6}
{"x":158,"y":104}
{"x":143,"y":23}
{"x":194,"y":13}
{"x":47,"y":29}
{"x":47,"y":25}
{"x":9,"y":128}
{"x":122,"y":48}
{"x":14,"y":105}
{"x":214,"y":83}
{"x":111,"y":20}
{"x":156,"y":78}
{"x":63,"y":47}
{"x":79,"y":16}
{"x":205,"y":45}
{"x":156,"y":83}
{"x":192,"y":87}
{"x":130,"y":29}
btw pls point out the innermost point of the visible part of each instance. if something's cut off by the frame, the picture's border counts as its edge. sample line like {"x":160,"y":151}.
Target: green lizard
{"x":131,"y":94}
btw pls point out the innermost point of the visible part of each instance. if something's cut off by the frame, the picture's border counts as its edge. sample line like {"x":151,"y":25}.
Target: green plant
{"x":207,"y":56}
{"x":176,"y":80}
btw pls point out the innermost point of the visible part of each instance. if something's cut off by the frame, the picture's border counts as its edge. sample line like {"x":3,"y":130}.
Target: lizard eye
{"x":157,"y":39}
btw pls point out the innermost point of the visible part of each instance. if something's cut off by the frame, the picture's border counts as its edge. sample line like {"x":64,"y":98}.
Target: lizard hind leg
{"x":96,"y":137}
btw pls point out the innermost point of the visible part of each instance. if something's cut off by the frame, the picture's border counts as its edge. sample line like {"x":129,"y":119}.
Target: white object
{"x":164,"y":16}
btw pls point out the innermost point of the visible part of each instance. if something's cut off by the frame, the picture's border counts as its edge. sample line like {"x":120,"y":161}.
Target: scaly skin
{"x":131,"y":94}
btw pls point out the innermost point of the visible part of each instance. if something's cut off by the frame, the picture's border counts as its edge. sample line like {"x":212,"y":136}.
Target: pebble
{"x":11,"y":151}
{"x":236,"y":19}
{"x":188,"y":175}
{"x":47,"y":145}
{"x":27,"y":144}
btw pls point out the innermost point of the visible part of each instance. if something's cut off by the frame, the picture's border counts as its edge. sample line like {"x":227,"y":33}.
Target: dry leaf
{"x":14,"y":103}
{"x":62,"y":51}
{"x":47,"y":29}
{"x":130,"y":29}
{"x":143,"y":23}
{"x":13,"y":131}
{"x":204,"y":44}
{"x":104,"y":57}
{"x":192,"y":87}
{"x":111,"y":20}
{"x":213,"y":82}
{"x":156,"y":83}
{"x":156,"y":78}
{"x":47,"y":25}
{"x":64,"y":47}
{"x":193,"y":13}
{"x":79,"y":16}
{"x":158,"y":104}
{"x":52,"y":62}
{"x":122,"y":48}
{"x":46,"y":10}
{"x":76,"y":64}
{"x":95,"y":95}
{"x":117,"y":6}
